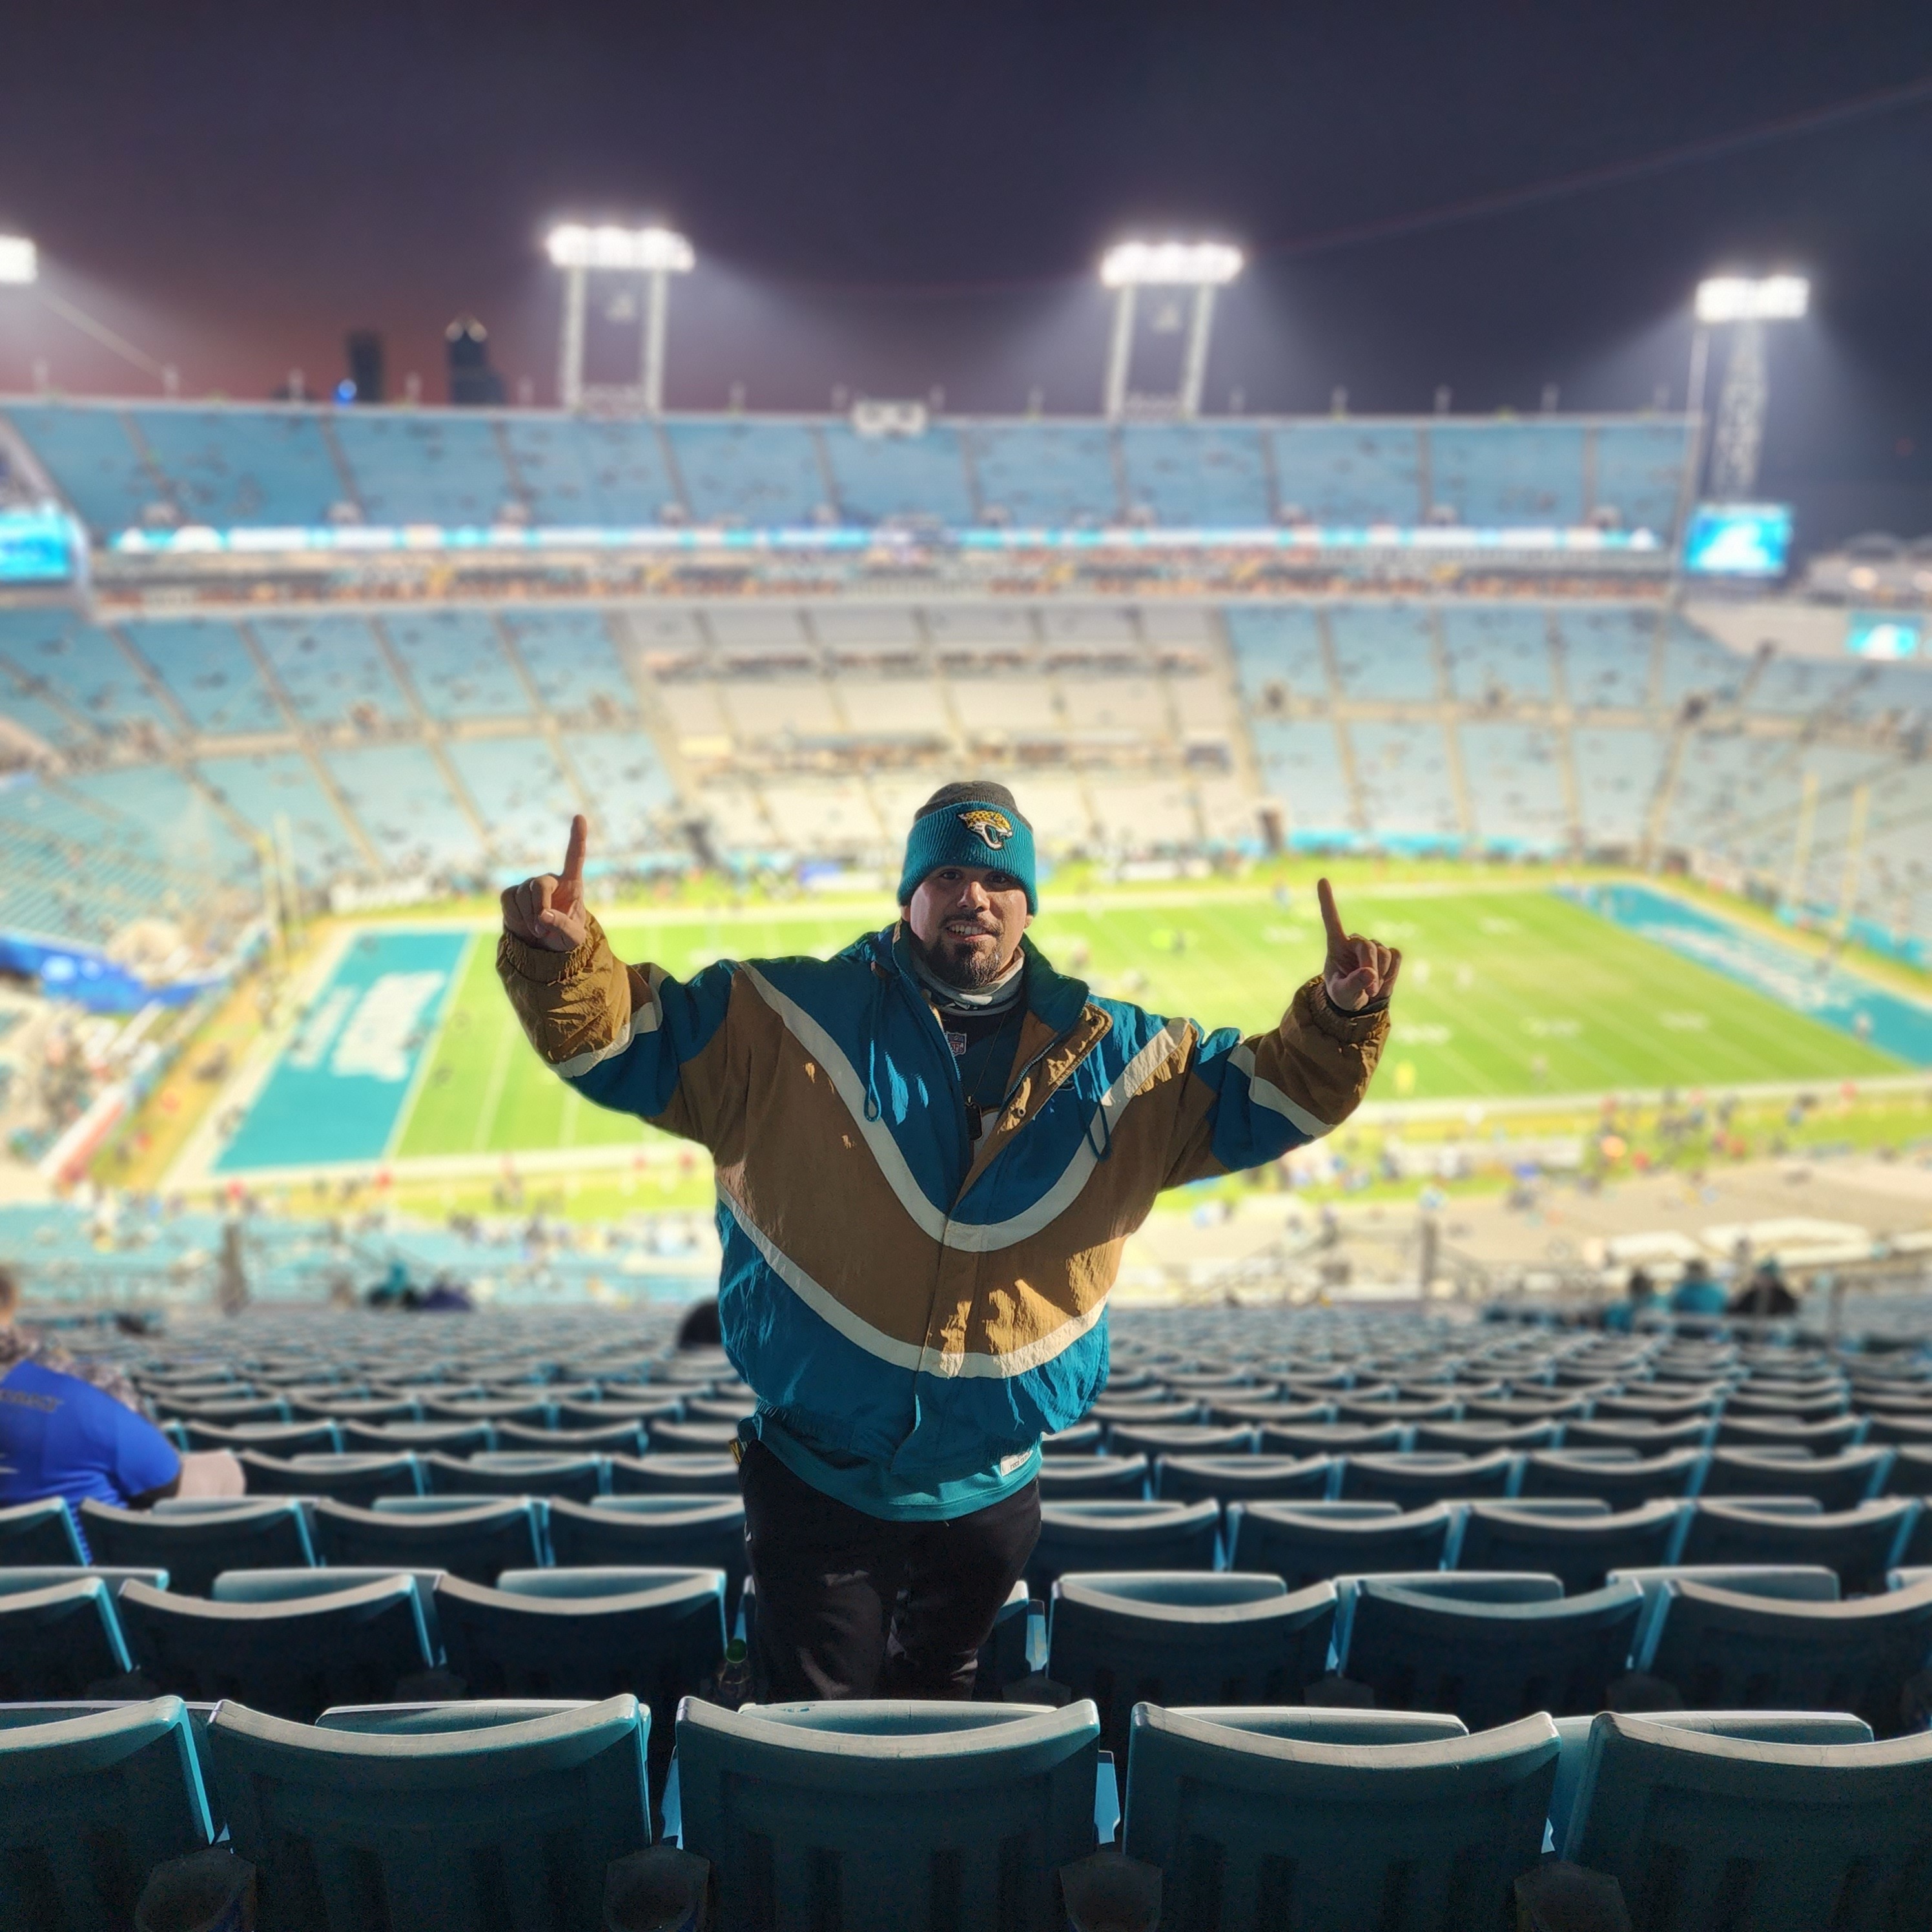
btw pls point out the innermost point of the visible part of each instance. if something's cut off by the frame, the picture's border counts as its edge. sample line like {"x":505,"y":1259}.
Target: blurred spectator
{"x":1697,"y":1292}
{"x":1765,"y":1296}
{"x":1642,"y":1292}
{"x":700,"y":1328}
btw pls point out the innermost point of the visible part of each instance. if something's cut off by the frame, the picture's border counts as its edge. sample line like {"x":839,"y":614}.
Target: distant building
{"x":472,"y":382}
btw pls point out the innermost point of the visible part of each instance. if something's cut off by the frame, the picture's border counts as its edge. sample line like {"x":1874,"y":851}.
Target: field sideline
{"x":1506,"y":993}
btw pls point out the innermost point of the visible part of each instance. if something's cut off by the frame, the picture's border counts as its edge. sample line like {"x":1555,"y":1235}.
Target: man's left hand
{"x":1357,"y":970}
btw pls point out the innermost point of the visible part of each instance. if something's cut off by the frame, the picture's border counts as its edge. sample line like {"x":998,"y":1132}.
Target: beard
{"x":959,"y":963}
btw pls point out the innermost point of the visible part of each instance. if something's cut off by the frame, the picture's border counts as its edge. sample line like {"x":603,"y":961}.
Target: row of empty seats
{"x":238,"y":465}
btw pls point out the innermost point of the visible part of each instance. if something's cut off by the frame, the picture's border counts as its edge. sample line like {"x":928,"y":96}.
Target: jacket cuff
{"x":545,"y":968}
{"x":1312,"y":1002}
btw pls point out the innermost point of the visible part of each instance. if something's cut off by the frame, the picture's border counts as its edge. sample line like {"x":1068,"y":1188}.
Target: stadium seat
{"x":1413,"y":1480}
{"x":659,"y":1634}
{"x":1066,"y":1478}
{"x":1310,"y":1542}
{"x":291,"y":1657}
{"x":1155,"y":1412}
{"x":276,"y":1586}
{"x":1179,"y":1439}
{"x":356,"y":1477}
{"x":985,"y":1802}
{"x":1489,"y":1662}
{"x":479,"y":1541}
{"x":1645,"y":1438}
{"x":533,"y":1415}
{"x":1906,"y":1431}
{"x":44,"y":1576}
{"x":694,"y":1532}
{"x":1122,"y":1536}
{"x":515,"y":1473}
{"x":1770,"y":1727}
{"x":1228,"y":1479}
{"x":1859,"y":1544}
{"x":266,"y":1438}
{"x":89,"y":1805}
{"x":607,"y":1438}
{"x":397,"y":1438}
{"x":1183,"y":1637}
{"x":1333,"y":1438}
{"x":1083,"y":1438}
{"x":1910,"y":1473}
{"x":1254,"y":1828}
{"x":673,"y":1476}
{"x":1826,"y":1436}
{"x":41,"y":1532}
{"x":1724,"y":1650}
{"x":463,"y":1830}
{"x":193,"y":1548}
{"x":345,"y":1414}
{"x":1838,"y":1482}
{"x":692,"y":1438}
{"x":1581,"y":1550}
{"x":1623,"y":1481}
{"x":61,"y":1641}
{"x":1481,"y":1438}
{"x":1699,"y":1829}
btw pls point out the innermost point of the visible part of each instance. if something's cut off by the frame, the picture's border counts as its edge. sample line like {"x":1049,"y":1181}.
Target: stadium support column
{"x":570,"y":346}
{"x":657,"y":298}
{"x":1194,"y":364}
{"x":1855,"y":855}
{"x":1120,"y":349}
{"x":1801,"y":843}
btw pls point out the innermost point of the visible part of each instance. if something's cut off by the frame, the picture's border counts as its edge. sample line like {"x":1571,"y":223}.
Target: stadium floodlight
{"x":1745,"y":298}
{"x":657,"y":254}
{"x":19,"y":260}
{"x":1130,"y":266}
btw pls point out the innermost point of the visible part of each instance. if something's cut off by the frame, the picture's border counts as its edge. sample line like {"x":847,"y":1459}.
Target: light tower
{"x":19,"y":261}
{"x":1744,"y":304}
{"x":655,"y":253}
{"x":1131,"y":266}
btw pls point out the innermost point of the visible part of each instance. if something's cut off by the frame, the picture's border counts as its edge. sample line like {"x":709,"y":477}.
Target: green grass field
{"x":1503,"y":993}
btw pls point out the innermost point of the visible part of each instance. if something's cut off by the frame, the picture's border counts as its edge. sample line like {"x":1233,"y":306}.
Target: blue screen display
{"x":1878,"y":634}
{"x":1739,"y":540}
{"x":37,"y":546}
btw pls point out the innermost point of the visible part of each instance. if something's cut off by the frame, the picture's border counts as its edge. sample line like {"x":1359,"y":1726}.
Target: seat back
{"x":1227,"y":1479}
{"x":517,"y":1473}
{"x":1185,"y":1637}
{"x":57,"y":1641}
{"x":292,"y":1658}
{"x":1858,"y":1543}
{"x":984,"y":1802}
{"x":1725,"y":1651}
{"x":194,"y":1548}
{"x":1489,"y":1662}
{"x":478,"y":1543}
{"x":465,"y":1831}
{"x":698,"y":1532}
{"x":674,"y":1475}
{"x":1836,"y":1481}
{"x":1302,"y":1545}
{"x":1581,"y":1550}
{"x":13,"y":1581}
{"x":39,"y":1533}
{"x":1066,"y":1478}
{"x":89,"y":1805}
{"x":355,"y":1477}
{"x":1415,"y":1479}
{"x":1621,"y":1481}
{"x":1250,"y":1829}
{"x":1112,"y":1536}
{"x":1699,"y":1829}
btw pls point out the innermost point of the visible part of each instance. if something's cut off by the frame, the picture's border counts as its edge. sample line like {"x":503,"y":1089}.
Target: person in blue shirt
{"x":62,"y":1435}
{"x":1621,"y":1316}
{"x":1697,"y":1291}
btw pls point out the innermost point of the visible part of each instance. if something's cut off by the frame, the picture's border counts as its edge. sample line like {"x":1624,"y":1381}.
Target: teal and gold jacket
{"x":913,"y":1308}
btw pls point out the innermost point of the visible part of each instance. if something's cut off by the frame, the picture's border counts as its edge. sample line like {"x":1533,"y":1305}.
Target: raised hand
{"x":548,"y":910}
{"x":1357,"y":970}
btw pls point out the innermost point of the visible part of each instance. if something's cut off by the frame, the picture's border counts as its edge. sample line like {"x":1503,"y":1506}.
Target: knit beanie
{"x":976,"y":823}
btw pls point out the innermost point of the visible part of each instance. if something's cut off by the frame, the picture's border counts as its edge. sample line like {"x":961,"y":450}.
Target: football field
{"x":1504,"y":993}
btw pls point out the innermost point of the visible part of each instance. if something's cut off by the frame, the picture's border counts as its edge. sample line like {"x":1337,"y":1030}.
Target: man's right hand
{"x":548,"y":910}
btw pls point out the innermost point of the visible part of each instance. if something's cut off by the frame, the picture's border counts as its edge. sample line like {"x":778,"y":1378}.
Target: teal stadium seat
{"x":42,"y":1576}
{"x":291,"y":1657}
{"x":1126,"y":1438}
{"x":516,"y":1473}
{"x":267,"y":1439}
{"x":659,"y":1633}
{"x":1723,"y":1650}
{"x":1581,"y":1550}
{"x":1701,"y":1829}
{"x":357,"y":1476}
{"x":1120,"y":1478}
{"x":193,"y":1548}
{"x":1837,"y":1482}
{"x":842,"y":1817}
{"x":39,"y":1533}
{"x":60,"y":1641}
{"x":89,"y":1805}
{"x":440,"y":1830}
{"x":1310,"y":1543}
{"x":1860,"y":1543}
{"x":1123,"y":1536}
{"x":479,"y":1541}
{"x":1182,"y":1637}
{"x":276,"y":1586}
{"x":1231,"y":1479}
{"x":673,"y":1476}
{"x":1489,"y":1662}
{"x":1414,"y":1481}
{"x":1291,"y":1819}
{"x":688,"y":1532}
{"x":1623,"y":1480}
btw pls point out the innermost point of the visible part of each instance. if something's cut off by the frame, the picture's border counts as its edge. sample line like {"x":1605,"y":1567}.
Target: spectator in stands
{"x":1696,"y":1292}
{"x":700,"y":1327}
{"x":71,"y":1429}
{"x":1642,"y":1294}
{"x":929,"y":1150}
{"x":1765,"y":1296}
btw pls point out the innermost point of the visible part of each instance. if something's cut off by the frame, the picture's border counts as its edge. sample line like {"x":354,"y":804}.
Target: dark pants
{"x":851,"y":1606}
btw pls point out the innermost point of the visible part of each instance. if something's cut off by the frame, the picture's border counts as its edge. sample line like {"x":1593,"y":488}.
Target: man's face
{"x":966,"y":921}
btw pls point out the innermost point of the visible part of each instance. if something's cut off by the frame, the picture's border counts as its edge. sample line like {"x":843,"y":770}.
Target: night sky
{"x":895,"y":198}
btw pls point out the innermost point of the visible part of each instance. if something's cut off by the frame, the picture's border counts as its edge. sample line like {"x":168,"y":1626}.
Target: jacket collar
{"x":1056,"y":999}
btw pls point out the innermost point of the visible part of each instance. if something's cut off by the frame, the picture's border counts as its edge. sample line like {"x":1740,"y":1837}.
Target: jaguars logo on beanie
{"x":968,"y":825}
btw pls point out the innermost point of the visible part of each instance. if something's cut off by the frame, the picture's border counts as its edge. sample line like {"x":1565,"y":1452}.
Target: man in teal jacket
{"x":930,"y":1151}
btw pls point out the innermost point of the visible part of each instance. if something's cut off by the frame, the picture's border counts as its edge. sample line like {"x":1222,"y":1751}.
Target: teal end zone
{"x":1887,"y":1021}
{"x":339,"y":1090}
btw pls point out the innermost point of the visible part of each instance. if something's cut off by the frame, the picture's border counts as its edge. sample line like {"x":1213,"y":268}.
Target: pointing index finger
{"x":1331,"y":919}
{"x":573,"y":857}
